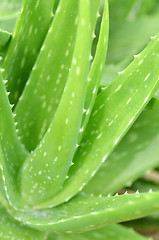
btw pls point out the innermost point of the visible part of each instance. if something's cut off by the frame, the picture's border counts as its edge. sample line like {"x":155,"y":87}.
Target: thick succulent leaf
{"x":30,"y":31}
{"x":110,"y":73}
{"x":96,"y":70}
{"x":48,"y":165}
{"x":83,"y":213}
{"x":109,"y":121}
{"x":4,"y":39}
{"x":13,"y":230}
{"x":111,"y":232}
{"x":125,"y":164}
{"x":12,"y":152}
{"x":49,"y":76}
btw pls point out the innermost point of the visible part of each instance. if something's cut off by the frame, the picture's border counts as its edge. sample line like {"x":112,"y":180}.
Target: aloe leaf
{"x":124,"y":165}
{"x":111,"y":232}
{"x":12,"y":152}
{"x":25,"y":44}
{"x":83,"y":213}
{"x":97,"y":67}
{"x":5,"y":37}
{"x":48,"y":165}
{"x":132,"y":90}
{"x":46,"y":86}
{"x":11,"y":229}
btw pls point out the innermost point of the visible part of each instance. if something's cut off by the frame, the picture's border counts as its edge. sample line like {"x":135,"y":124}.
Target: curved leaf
{"x":50,"y":73}
{"x":12,"y":152}
{"x":26,"y":44}
{"x":110,"y":121}
{"x":83,"y":213}
{"x":48,"y":165}
{"x":96,"y":69}
{"x":126,"y":164}
{"x":11,"y":229}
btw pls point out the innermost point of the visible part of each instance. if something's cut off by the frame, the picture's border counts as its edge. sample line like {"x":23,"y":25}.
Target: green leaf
{"x":46,"y":84}
{"x":12,"y":152}
{"x":83,"y":213}
{"x":97,"y":68}
{"x":112,"y":232}
{"x":124,"y":165}
{"x":110,"y":121}
{"x":48,"y":165}
{"x":30,"y":31}
{"x":11,"y":229}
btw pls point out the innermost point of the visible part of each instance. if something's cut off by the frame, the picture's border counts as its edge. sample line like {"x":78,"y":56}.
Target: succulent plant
{"x":67,"y":145}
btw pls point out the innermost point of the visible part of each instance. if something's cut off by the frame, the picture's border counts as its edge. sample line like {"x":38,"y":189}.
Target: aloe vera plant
{"x":66,"y":144}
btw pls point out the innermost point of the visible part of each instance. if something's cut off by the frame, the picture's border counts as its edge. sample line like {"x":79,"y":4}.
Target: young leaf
{"x":48,"y":165}
{"x":31,"y":28}
{"x":96,"y":70}
{"x":109,"y":121}
{"x":50,"y":73}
